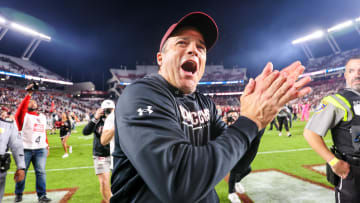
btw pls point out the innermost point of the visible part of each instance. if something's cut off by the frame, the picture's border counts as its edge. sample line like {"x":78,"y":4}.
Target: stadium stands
{"x":217,"y":73}
{"x":11,"y":98}
{"x":331,"y":61}
{"x":20,"y":66}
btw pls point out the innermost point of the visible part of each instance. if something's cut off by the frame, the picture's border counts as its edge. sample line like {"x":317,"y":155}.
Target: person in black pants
{"x":273,"y":122}
{"x":282,"y":117}
{"x":242,"y":169}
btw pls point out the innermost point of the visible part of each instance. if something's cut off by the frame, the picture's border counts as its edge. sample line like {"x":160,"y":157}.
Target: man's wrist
{"x":333,"y":161}
{"x":257,"y":122}
{"x":94,"y":120}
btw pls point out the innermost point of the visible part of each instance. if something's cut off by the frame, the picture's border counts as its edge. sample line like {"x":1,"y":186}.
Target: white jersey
{"x":34,"y":131}
{"x":108,"y":125}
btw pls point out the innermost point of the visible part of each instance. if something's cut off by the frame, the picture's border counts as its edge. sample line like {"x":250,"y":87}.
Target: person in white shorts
{"x":101,"y":154}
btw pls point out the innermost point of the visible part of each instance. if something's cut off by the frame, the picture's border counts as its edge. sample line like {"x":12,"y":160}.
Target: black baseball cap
{"x":199,"y":20}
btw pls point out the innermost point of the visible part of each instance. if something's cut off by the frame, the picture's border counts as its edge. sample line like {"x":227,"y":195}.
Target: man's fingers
{"x":303,"y":92}
{"x":249,"y":87}
{"x":297,"y":72}
{"x":292,"y":67}
{"x":266,"y":82}
{"x":292,"y":93}
{"x":282,"y":89}
{"x":302,"y":82}
{"x":275,"y":86}
{"x":288,"y":96}
{"x":266,"y":71}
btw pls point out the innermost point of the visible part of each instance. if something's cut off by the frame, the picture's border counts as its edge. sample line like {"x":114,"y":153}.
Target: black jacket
{"x":171,"y":147}
{"x":96,"y":127}
{"x":65,"y":128}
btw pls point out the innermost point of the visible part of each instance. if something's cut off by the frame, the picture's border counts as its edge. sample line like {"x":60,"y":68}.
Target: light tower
{"x":328,"y":34}
{"x":37,"y":37}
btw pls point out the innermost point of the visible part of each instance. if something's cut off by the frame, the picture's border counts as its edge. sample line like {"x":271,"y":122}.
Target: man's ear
{"x":159,"y":59}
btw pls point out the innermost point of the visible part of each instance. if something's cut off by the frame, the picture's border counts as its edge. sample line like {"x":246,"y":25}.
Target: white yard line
{"x":74,"y":145}
{"x":283,"y":151}
{"x":59,"y":169}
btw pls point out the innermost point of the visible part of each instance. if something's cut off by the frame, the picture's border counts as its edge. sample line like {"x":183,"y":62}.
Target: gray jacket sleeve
{"x":324,"y":118}
{"x":16,"y":146}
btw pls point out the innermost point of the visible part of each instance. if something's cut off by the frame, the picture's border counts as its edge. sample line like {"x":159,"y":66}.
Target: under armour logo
{"x":142,"y":111}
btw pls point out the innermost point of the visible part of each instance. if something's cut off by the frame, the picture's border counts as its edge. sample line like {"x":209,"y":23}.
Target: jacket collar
{"x":175,"y":91}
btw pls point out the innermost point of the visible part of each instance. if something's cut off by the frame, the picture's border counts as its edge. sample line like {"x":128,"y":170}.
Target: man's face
{"x":32,"y":104}
{"x":352,"y":74}
{"x":234,"y":116}
{"x":182,"y":60}
{"x":4,"y":115}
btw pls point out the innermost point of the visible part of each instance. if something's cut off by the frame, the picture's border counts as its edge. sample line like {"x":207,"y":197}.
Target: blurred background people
{"x":10,"y":139}
{"x":65,"y":132}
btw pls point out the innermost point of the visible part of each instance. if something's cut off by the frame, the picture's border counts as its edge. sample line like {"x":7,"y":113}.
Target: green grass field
{"x":80,"y":171}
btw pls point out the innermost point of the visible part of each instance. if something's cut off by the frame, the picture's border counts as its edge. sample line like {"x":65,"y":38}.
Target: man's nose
{"x":192,"y":49}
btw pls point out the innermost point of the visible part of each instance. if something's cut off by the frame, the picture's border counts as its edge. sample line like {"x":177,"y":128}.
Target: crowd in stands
{"x":322,"y":85}
{"x":238,"y":87}
{"x":331,"y":61}
{"x":48,"y":101}
{"x":25,"y":67}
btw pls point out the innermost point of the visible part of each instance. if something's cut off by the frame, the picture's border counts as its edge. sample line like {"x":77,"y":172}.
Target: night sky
{"x":90,"y":37}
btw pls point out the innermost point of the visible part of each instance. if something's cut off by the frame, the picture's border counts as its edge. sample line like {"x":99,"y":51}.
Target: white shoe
{"x":65,"y":155}
{"x":234,"y":198}
{"x":280,"y":134}
{"x":239,"y":188}
{"x":70,"y":149}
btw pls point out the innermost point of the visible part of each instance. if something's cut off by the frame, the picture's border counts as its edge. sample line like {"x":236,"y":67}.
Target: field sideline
{"x":76,"y":171}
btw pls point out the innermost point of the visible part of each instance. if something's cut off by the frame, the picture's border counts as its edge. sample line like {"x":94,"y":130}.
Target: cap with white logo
{"x":108,"y":104}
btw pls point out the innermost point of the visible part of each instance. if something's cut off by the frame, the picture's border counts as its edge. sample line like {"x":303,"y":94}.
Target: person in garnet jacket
{"x":32,"y":126}
{"x":170,"y":143}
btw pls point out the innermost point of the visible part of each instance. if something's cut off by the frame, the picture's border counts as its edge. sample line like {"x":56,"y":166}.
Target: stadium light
{"x":314,"y":35}
{"x":357,"y":19}
{"x":27,"y":30}
{"x":45,"y":37}
{"x":340,"y":26}
{"x":2,"y":20}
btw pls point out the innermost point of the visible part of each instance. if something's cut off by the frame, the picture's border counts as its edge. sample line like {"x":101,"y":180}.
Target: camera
{"x":107,"y":111}
{"x":34,"y":87}
{"x":230,"y":119}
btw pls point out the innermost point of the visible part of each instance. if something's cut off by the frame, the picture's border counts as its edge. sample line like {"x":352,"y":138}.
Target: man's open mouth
{"x":189,"y":66}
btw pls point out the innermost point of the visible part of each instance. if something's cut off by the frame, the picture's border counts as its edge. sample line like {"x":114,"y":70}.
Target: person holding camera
{"x":101,"y":153}
{"x":231,"y":117}
{"x":36,"y":148}
{"x":108,"y":133}
{"x":10,"y":139}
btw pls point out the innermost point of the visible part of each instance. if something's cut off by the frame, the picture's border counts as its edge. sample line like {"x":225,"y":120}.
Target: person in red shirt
{"x":32,"y":126}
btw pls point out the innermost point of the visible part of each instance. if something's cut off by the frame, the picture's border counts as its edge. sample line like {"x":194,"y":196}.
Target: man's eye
{"x":201,"y":47}
{"x":181,"y":42}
